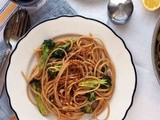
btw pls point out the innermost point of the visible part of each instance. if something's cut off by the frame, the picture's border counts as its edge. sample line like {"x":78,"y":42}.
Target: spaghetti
{"x":72,"y":77}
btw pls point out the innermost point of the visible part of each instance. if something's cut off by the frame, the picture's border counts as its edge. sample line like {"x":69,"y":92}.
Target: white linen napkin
{"x":7,"y":8}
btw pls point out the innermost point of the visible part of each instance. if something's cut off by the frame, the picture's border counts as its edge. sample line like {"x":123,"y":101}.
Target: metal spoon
{"x":17,"y":25}
{"x":120,"y":11}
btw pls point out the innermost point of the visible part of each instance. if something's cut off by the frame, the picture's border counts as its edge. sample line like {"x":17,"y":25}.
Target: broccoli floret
{"x":36,"y":85}
{"x":47,"y":47}
{"x":92,"y":83}
{"x":60,"y":53}
{"x":53,"y":71}
{"x":43,"y":110}
{"x":49,"y":44}
{"x":87,"y":109}
{"x":91,"y":96}
{"x":65,"y":46}
{"x":108,"y":82}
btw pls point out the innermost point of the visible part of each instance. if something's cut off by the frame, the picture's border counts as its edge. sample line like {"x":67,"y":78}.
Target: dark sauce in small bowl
{"x":26,"y":2}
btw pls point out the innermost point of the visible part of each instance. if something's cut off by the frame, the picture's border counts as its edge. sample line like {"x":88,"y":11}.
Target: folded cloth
{"x":51,"y":9}
{"x":7,"y":8}
{"x":54,"y":8}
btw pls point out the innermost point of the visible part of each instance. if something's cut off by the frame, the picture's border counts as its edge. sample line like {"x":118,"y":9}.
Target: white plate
{"x":23,"y":55}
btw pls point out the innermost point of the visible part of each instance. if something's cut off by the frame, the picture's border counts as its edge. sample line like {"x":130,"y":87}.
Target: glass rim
{"x":25,"y":3}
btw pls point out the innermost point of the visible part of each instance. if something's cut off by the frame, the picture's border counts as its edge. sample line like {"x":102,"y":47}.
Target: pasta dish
{"x":72,"y":77}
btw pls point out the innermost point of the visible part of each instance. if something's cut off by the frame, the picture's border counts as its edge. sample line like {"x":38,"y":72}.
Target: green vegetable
{"x":52,"y":72}
{"x":87,"y":109}
{"x":105,"y":82}
{"x":91,"y":83}
{"x":91,"y":96}
{"x":108,"y":83}
{"x":41,"y":105}
{"x":47,"y":47}
{"x":60,"y":53}
{"x":65,"y":46}
{"x":36,"y":85}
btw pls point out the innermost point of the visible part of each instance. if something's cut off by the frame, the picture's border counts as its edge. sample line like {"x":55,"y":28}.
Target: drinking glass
{"x":29,"y":4}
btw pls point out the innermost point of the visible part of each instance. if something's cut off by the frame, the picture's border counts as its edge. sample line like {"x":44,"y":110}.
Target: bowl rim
{"x":153,"y":47}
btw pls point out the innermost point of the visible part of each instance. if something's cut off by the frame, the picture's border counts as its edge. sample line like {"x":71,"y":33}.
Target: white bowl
{"x":153,"y":50}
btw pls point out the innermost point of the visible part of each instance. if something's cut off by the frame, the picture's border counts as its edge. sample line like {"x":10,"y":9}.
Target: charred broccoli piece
{"x":108,"y":82}
{"x":91,"y":96}
{"x":47,"y":47}
{"x":60,"y":53}
{"x":53,"y":71}
{"x":87,"y":109}
{"x":36,"y":85}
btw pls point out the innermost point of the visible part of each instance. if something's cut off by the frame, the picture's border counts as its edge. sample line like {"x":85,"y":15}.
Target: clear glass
{"x":29,"y":3}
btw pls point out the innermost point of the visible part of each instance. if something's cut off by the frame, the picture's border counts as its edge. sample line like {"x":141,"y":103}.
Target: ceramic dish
{"x":22,"y":59}
{"x":153,"y":50}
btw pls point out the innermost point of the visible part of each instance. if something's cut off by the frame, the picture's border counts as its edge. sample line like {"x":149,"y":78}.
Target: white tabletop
{"x":137,"y":35}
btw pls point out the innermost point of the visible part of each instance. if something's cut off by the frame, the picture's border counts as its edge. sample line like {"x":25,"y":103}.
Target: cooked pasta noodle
{"x":72,"y":81}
